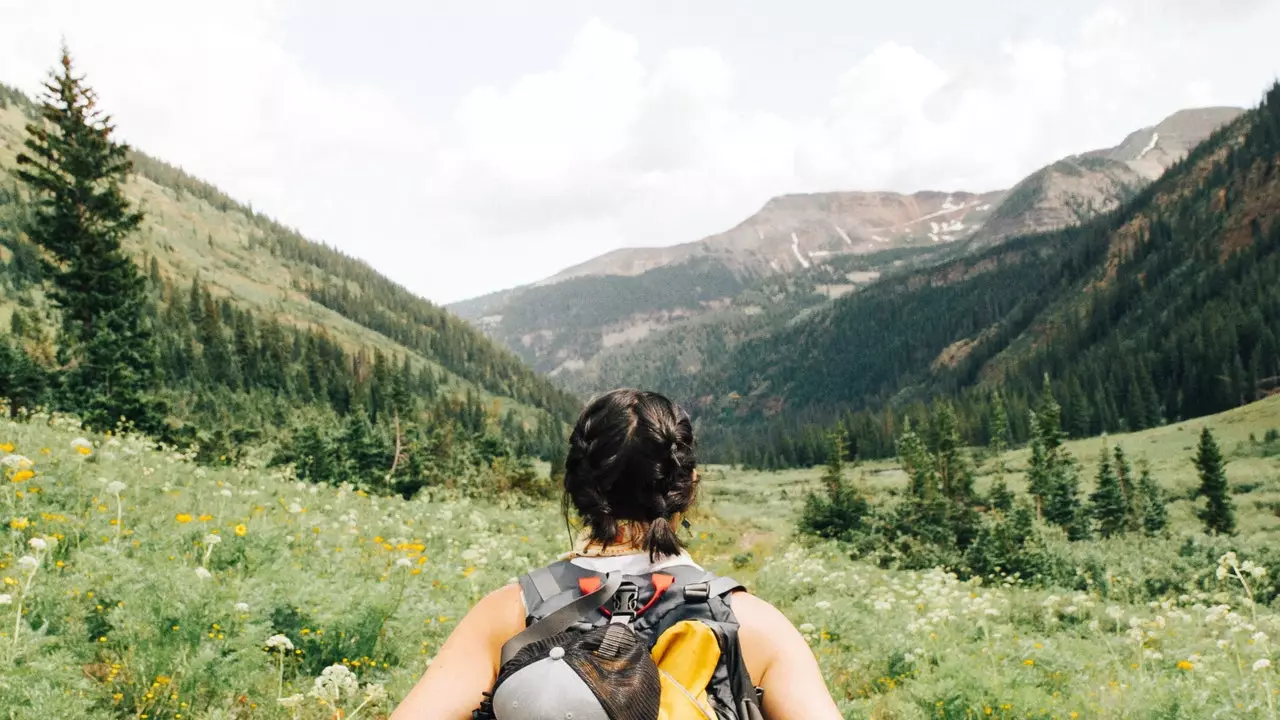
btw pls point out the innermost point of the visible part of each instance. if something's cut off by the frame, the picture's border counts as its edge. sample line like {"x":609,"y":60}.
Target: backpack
{"x":682,"y":613}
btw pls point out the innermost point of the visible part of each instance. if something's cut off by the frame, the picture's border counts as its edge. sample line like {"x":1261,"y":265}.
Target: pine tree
{"x":1151,"y":502}
{"x":1107,"y":502}
{"x":1000,"y":497}
{"x":841,"y":512}
{"x":80,"y":215}
{"x":1218,"y":515}
{"x":1124,"y":473}
{"x":953,"y":468}
{"x":1053,"y":475}
{"x":917,"y":463}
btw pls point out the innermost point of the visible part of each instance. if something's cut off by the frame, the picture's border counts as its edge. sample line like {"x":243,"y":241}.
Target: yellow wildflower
{"x":205,"y":518}
{"x":7,"y":447}
{"x":241,"y":530}
{"x":183,"y":518}
{"x":22,"y":475}
{"x":1028,"y":662}
{"x":1185,"y":665}
{"x":468,"y":572}
{"x":19,"y":523}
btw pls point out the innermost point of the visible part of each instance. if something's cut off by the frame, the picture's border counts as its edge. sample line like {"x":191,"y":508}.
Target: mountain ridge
{"x":796,"y":252}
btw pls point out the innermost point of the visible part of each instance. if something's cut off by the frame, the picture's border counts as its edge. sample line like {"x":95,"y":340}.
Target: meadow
{"x":137,"y":584}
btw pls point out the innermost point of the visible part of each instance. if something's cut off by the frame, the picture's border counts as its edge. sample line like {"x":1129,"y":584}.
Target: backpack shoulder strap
{"x":562,"y":618}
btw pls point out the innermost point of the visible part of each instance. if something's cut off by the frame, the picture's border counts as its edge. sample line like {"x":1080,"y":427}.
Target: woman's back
{"x":630,"y":475}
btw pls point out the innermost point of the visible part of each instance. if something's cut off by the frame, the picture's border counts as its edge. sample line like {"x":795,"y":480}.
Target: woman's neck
{"x":627,"y":542}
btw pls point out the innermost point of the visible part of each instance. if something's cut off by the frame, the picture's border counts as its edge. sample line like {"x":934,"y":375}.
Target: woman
{"x":630,"y":475}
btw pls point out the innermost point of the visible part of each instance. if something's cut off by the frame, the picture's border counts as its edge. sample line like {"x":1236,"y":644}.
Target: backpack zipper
{"x":687,"y":694}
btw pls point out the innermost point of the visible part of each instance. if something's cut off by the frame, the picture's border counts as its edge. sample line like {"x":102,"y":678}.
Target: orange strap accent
{"x":660,"y":582}
{"x":588,"y":584}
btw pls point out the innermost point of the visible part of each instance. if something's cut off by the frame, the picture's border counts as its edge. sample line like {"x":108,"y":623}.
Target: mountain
{"x":240,"y":297}
{"x":645,"y":315}
{"x":1076,"y":188}
{"x":1166,"y":307}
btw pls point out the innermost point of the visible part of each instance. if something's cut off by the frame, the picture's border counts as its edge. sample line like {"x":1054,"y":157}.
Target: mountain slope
{"x":193,"y":231}
{"x":1076,"y":188}
{"x":648,"y":314}
{"x":1167,"y":307}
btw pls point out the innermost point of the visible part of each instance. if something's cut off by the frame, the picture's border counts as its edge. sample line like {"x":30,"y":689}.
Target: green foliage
{"x":1218,"y":514}
{"x":840,"y":513}
{"x":1108,"y":504}
{"x":80,"y":216}
{"x":1151,"y":504}
{"x":1164,"y":309}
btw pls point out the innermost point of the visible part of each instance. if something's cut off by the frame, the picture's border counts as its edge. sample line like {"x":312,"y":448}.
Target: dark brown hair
{"x":632,"y":458}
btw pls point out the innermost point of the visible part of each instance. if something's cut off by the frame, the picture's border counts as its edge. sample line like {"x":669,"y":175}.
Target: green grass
{"x":117,"y":621}
{"x":191,"y":238}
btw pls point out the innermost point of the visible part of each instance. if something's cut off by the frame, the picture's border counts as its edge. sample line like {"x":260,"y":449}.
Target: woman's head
{"x":632,"y":461}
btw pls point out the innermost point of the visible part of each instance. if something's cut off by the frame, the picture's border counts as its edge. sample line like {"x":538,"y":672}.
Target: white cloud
{"x":600,"y":149}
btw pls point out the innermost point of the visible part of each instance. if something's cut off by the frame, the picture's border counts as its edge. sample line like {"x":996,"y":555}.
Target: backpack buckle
{"x":698,"y":592}
{"x":625,"y":603}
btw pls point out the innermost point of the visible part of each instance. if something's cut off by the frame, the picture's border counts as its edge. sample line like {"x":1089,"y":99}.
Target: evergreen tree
{"x":1107,"y":502}
{"x":1151,"y":502}
{"x":917,"y":463}
{"x":840,"y":514}
{"x":954,"y":473}
{"x":1053,"y":475}
{"x":1218,"y":515}
{"x":80,"y":215}
{"x":1124,"y":473}
{"x":1001,"y":498}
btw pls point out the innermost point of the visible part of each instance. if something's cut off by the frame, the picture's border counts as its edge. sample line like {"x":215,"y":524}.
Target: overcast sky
{"x":463,"y":147}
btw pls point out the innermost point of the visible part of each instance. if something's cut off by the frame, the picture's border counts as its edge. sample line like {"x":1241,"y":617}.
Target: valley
{"x":797,"y":253}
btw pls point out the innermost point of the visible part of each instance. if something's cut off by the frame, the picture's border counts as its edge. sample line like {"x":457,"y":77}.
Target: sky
{"x":465,"y":146}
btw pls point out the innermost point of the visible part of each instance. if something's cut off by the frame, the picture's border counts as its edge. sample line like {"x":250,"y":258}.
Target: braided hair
{"x":632,"y":459}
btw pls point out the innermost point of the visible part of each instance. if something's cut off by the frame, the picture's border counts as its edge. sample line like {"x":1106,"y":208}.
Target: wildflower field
{"x":139,"y":585}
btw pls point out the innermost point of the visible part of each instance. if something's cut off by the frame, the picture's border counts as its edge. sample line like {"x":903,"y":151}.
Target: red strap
{"x":660,"y":582}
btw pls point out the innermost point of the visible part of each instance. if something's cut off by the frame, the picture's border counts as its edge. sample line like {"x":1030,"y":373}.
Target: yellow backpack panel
{"x":686,"y":656}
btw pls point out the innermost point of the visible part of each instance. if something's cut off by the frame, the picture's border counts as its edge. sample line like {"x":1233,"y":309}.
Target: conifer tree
{"x":1218,"y":515}
{"x":1107,"y":502}
{"x":1128,"y":489}
{"x":954,"y":473}
{"x":917,"y":463}
{"x":1000,"y":497}
{"x":1151,"y":502}
{"x":840,"y":514}
{"x":79,"y":215}
{"x":1053,"y":474}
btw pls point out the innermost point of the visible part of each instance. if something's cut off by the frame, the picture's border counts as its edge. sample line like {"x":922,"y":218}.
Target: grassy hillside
{"x":193,"y":230}
{"x":160,"y":583}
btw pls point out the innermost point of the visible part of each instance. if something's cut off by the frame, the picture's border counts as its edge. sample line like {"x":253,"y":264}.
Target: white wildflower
{"x":28,"y":563}
{"x":292,"y":701}
{"x":212,"y":539}
{"x":115,"y":487}
{"x":335,"y":681}
{"x":16,"y":462}
{"x":1261,"y":664}
{"x":374,"y":693}
{"x":37,"y":543}
{"x":81,"y":443}
{"x":6,"y":599}
{"x":404,"y":563}
{"x":822,"y":604}
{"x":225,"y":492}
{"x":295,"y":508}
{"x":203,"y":573}
{"x":280,"y":642}
{"x":807,"y":628}
{"x":242,"y":607}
